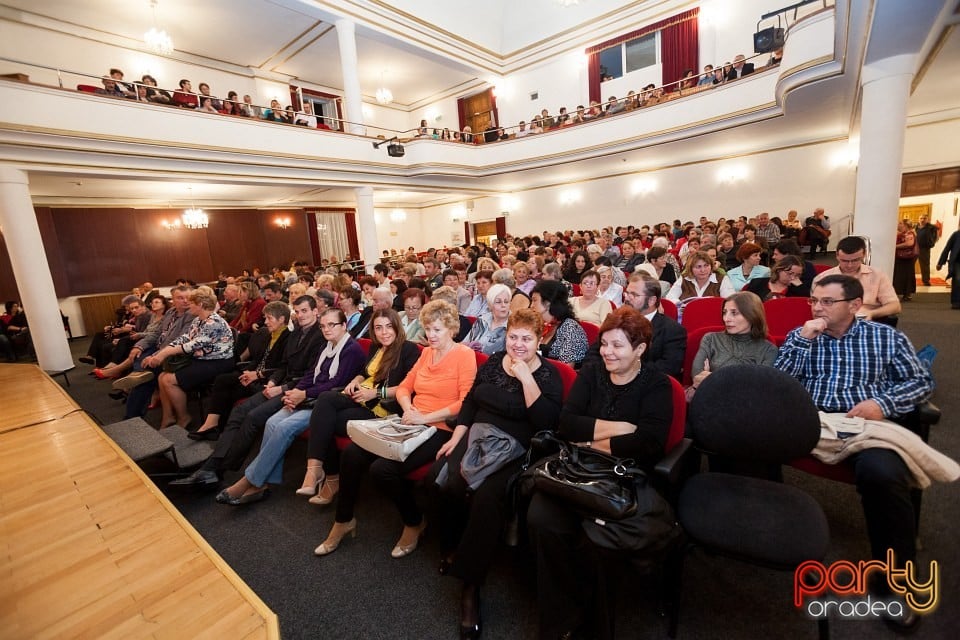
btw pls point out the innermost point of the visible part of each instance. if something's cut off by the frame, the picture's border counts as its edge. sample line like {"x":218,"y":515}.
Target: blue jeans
{"x":282,"y":427}
{"x":139,"y":397}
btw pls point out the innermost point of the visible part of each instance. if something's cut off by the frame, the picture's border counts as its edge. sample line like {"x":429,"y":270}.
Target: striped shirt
{"x":870,"y":361}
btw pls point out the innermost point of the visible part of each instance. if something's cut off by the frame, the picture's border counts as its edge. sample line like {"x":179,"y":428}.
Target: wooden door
{"x":478,"y":110}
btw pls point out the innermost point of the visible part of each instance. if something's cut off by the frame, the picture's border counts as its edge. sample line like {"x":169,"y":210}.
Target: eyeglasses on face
{"x":827,"y":302}
{"x":330,"y":325}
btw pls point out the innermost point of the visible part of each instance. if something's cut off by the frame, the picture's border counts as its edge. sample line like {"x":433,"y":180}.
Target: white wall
{"x":802,"y":178}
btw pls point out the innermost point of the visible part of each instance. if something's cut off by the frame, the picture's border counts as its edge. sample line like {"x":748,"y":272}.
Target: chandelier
{"x":384,"y":95}
{"x":156,"y":39}
{"x":195,"y":219}
{"x":567,"y":3}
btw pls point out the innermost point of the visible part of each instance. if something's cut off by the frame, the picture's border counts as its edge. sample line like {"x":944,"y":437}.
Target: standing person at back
{"x":927,"y":236}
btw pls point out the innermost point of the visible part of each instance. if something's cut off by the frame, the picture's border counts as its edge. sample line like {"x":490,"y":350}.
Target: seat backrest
{"x":669,"y":308}
{"x":753,"y":412}
{"x":575,"y":290}
{"x":785,"y":314}
{"x":678,"y":425}
{"x":87,"y":88}
{"x":481,"y":358}
{"x":592,"y":331}
{"x":694,"y":338}
{"x":820,"y":268}
{"x":702,"y":312}
{"x":365,"y":344}
{"x":568,"y":375}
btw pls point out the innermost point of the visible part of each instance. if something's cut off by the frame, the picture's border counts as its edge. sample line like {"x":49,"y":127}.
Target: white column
{"x":22,"y":236}
{"x":883,"y":120}
{"x":352,"y":101}
{"x":367,"y":228}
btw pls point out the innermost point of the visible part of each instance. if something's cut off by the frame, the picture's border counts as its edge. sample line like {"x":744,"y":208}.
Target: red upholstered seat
{"x":786,"y":314}
{"x":702,"y":312}
{"x":694,"y":338}
{"x":592,"y":331}
{"x":669,"y":308}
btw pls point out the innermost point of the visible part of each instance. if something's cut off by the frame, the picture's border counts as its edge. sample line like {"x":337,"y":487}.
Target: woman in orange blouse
{"x":432,"y":392}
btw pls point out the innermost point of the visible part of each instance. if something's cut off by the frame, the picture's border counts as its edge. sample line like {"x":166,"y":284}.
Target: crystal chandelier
{"x":384,"y":95}
{"x":156,"y":39}
{"x":195,"y":219}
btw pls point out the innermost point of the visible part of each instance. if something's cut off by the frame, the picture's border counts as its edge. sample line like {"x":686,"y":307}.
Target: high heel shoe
{"x":470,"y":603}
{"x":339,"y":531}
{"x":400,"y":549}
{"x":310,"y":489}
{"x":327,"y":492}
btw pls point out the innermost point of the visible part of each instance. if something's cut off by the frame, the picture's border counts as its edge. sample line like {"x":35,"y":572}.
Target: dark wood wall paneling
{"x":922,"y":183}
{"x":92,"y":251}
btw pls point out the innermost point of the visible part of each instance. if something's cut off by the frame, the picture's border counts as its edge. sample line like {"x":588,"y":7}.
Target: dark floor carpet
{"x":361,"y":592}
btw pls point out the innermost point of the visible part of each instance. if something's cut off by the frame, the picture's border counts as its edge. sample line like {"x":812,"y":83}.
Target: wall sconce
{"x":644,"y":186}
{"x":398,"y":215}
{"x":569,"y":196}
{"x":283,"y":223}
{"x":171,"y":225}
{"x":845,"y":158}
{"x":508,"y":204}
{"x":731,"y":174}
{"x":458,"y":214}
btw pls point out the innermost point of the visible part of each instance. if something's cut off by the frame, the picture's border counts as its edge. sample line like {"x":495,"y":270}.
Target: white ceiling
{"x":296,"y":38}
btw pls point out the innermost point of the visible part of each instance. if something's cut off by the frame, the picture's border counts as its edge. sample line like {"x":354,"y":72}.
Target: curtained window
{"x":679,"y":49}
{"x":332,"y":234}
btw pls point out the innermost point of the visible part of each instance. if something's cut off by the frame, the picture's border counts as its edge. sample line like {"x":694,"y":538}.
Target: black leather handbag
{"x":594,"y":484}
{"x":621,"y":509}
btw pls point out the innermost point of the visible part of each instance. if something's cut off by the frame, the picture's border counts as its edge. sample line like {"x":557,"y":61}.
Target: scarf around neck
{"x":332,"y":350}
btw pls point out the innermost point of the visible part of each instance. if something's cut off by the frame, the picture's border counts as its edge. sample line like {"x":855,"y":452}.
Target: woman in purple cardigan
{"x":338,"y":363}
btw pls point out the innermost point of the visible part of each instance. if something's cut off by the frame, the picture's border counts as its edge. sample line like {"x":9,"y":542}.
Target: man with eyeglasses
{"x":669,"y":342}
{"x":863,"y":369}
{"x":879,"y":301}
{"x":249,"y":417}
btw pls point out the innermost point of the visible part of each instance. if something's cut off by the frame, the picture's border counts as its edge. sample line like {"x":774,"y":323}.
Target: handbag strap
{"x":617,"y":466}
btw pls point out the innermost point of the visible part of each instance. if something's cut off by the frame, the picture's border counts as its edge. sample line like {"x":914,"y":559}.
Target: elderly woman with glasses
{"x":413,"y":300}
{"x":337,"y":364}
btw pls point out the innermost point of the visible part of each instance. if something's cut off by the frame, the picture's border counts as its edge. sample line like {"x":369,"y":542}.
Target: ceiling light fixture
{"x":194,"y":218}
{"x":567,"y":3}
{"x":398,"y":215}
{"x":156,"y":39}
{"x":384,"y":95}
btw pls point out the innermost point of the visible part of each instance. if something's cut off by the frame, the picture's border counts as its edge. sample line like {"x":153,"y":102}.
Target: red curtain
{"x":680,"y":47}
{"x":350,"y":220}
{"x":501,"y":227}
{"x":684,"y":39}
{"x":593,"y":75}
{"x":314,"y":237}
{"x":466,"y":232}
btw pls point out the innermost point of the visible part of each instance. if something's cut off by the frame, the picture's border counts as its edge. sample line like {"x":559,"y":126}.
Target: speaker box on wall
{"x":767,"y":40}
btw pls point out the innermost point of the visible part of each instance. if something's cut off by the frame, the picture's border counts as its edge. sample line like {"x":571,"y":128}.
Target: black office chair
{"x":749,"y":420}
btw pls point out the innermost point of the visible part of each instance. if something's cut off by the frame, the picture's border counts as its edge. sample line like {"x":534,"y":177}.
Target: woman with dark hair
{"x":658,"y":265}
{"x":336,"y":365}
{"x":578,"y":264}
{"x":785,"y":281}
{"x":563,"y":338}
{"x":749,"y":255}
{"x":398,"y":287}
{"x":209,"y":343}
{"x":743,"y":340}
{"x":515,"y":394}
{"x":369,"y":395}
{"x":251,"y":309}
{"x":621,"y":408}
{"x":589,"y":306}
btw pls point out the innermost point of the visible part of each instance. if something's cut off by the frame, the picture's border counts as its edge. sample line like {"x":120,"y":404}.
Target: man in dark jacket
{"x":927,"y":236}
{"x":669,"y":343}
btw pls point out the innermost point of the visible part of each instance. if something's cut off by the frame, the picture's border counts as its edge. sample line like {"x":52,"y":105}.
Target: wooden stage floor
{"x":89,"y":547}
